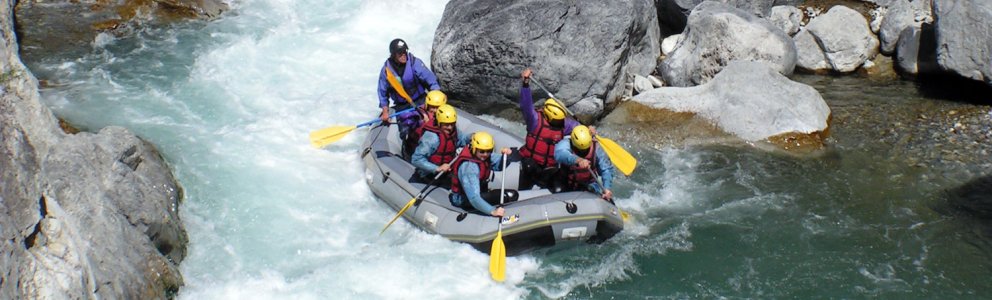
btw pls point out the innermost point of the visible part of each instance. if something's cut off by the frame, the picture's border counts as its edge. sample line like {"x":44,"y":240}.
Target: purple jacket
{"x":533,"y":119}
{"x":415,"y":77}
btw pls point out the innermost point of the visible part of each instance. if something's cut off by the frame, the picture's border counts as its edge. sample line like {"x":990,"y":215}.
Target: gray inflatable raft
{"x":538,"y":219}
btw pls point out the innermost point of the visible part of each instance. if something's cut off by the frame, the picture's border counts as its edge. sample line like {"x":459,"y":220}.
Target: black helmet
{"x":397,"y":46}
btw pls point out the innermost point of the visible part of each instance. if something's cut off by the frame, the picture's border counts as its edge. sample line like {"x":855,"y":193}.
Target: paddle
{"x":623,"y":214}
{"x":411,"y":202}
{"x":497,"y":255}
{"x":326,"y":136}
{"x":618,"y":155}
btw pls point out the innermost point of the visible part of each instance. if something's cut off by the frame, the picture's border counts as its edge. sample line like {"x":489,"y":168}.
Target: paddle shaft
{"x":391,"y":116}
{"x":550,"y":95}
{"x":420,"y":196}
{"x":497,"y":254}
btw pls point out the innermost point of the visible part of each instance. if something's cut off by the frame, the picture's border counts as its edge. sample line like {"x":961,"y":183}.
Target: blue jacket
{"x":564,"y":156}
{"x":415,"y":77}
{"x":428,"y":144}
{"x":468,"y":175}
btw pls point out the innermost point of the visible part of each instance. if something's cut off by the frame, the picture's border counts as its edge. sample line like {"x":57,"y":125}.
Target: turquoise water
{"x":230,"y":103}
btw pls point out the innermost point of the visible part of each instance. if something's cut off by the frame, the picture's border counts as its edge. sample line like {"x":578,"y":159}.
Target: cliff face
{"x":87,"y":215}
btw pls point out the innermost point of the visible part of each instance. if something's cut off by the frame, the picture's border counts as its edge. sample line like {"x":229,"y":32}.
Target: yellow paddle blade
{"x":326,"y":136}
{"x":405,"y":207}
{"x":497,"y":258}
{"x":624,"y":215}
{"x":620,"y":157}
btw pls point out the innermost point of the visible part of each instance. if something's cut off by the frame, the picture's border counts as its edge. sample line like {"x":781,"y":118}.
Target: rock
{"x":642,"y":84}
{"x":674,"y":14}
{"x":810,"y":55}
{"x":787,"y":18}
{"x":901,"y":14}
{"x":717,"y":34}
{"x":83,"y":216}
{"x":750,"y":100}
{"x":915,"y":52}
{"x":70,"y":28}
{"x":656,"y":81}
{"x":480,"y":47}
{"x":964,"y":41}
{"x":669,"y":43}
{"x":585,"y":108}
{"x":842,"y":37}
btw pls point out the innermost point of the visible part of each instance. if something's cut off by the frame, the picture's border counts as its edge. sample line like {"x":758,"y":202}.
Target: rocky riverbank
{"x":84,"y":215}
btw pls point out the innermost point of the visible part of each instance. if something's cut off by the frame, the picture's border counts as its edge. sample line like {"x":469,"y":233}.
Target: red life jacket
{"x":540,"y":143}
{"x":466,"y":156}
{"x":413,"y":137}
{"x":579,"y":178}
{"x":446,"y":148}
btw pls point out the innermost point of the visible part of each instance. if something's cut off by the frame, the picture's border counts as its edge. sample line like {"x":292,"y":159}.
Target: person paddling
{"x":404,"y":79}
{"x":436,"y":148}
{"x":545,"y":128}
{"x":427,"y":112}
{"x":582,"y":155}
{"x":472,"y":171}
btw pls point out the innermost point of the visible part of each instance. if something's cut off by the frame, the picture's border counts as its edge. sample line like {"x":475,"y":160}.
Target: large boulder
{"x":900,"y":15}
{"x":749,"y":100}
{"x":480,"y":47}
{"x":964,"y":38}
{"x":839,"y":40}
{"x":82,"y":216}
{"x":717,"y":34}
{"x":673,"y":14}
{"x":786,"y":17}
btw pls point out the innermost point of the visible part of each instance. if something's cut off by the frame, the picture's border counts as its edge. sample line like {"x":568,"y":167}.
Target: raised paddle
{"x":497,"y":255}
{"x":619,"y":156}
{"x":326,"y":136}
{"x":623,"y":214}
{"x":410,"y":203}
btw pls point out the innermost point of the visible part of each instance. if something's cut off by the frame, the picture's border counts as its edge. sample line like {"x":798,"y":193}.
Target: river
{"x":229,"y":104}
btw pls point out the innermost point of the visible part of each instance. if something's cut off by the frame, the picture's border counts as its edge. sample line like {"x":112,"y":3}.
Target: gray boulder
{"x":787,"y":18}
{"x":673,"y":14}
{"x":717,"y":34}
{"x":902,"y":14}
{"x":84,"y":216}
{"x":480,"y":47}
{"x":915,"y":53}
{"x":964,"y":38}
{"x":747,"y":99}
{"x":841,"y":37}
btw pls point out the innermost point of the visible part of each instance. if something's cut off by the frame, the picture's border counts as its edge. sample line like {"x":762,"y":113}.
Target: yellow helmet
{"x":436,"y":98}
{"x":581,"y":138}
{"x":446,"y":114}
{"x":482,"y":141}
{"x":554,"y":110}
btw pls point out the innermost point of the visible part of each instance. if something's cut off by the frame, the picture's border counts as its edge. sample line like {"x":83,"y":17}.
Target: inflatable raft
{"x":538,"y":219}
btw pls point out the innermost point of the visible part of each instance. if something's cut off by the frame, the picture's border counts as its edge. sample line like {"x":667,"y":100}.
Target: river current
{"x":229,"y":103}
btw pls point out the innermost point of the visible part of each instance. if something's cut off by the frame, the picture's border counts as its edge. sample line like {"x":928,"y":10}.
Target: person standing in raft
{"x":436,"y":148}
{"x":404,"y":79}
{"x":545,"y":128}
{"x":583,"y":156}
{"x":472,"y":171}
{"x":427,"y":112}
